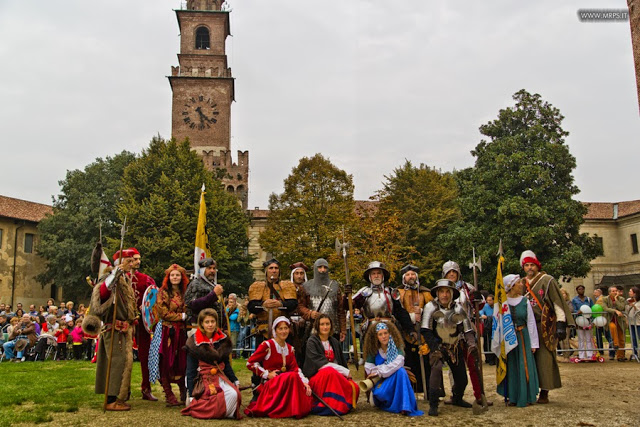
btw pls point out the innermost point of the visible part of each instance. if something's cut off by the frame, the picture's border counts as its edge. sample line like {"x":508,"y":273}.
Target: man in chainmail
{"x":325,"y":298}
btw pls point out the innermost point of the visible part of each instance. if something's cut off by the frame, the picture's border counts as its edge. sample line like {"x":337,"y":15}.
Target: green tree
{"x":306,"y":218}
{"x":424,"y":200}
{"x":520,"y":190}
{"x":161,"y":196}
{"x":87,"y":199}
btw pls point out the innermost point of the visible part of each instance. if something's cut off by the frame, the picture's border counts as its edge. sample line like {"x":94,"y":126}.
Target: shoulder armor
{"x":366,"y":292}
{"x":427,"y":314}
{"x":395,"y":294}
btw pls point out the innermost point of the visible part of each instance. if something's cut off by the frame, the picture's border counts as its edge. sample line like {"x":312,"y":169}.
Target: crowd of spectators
{"x":48,"y":330}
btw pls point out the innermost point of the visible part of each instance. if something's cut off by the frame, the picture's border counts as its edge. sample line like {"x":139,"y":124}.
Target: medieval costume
{"x":140,"y":282}
{"x":468,"y":293}
{"x":520,"y":386}
{"x":446,"y":329}
{"x":121,"y":333}
{"x":413,"y":298}
{"x":552,"y":314}
{"x":301,"y":316}
{"x":201,"y":294}
{"x":329,"y":376}
{"x":393,"y":391}
{"x":215,"y":394}
{"x":617,"y":323}
{"x":380,"y":302}
{"x":326,"y":298}
{"x":171,"y":309}
{"x":284,"y":395}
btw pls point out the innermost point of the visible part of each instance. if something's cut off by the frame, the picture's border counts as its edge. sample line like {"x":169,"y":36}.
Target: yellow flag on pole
{"x":202,"y":241}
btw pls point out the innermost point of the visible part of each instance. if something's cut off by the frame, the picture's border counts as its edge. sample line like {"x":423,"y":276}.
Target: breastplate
{"x":446,"y":322}
{"x":378,"y":304}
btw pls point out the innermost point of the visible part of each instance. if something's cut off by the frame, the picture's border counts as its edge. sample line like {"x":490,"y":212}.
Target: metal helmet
{"x":451,"y":265}
{"x":376,"y":265}
{"x":445,"y":283}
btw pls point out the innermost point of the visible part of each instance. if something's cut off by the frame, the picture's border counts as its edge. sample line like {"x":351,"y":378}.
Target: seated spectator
{"x":81,"y":310}
{"x":19,"y":313}
{"x":3,"y":308}
{"x":50,"y":302}
{"x":52,"y":309}
{"x":42,"y":310}
{"x":70,"y":310}
{"x":32,"y":310}
{"x":47,"y":336}
{"x":4,"y":324}
{"x":36,"y":324}
{"x":22,"y":336}
{"x":12,"y":324}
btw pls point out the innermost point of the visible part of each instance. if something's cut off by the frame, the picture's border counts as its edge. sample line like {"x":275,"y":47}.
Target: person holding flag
{"x":552,"y":314}
{"x":503,"y":338}
{"x":522,"y":375}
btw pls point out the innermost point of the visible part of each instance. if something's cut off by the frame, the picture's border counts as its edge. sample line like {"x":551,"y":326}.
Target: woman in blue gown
{"x":383,"y":347}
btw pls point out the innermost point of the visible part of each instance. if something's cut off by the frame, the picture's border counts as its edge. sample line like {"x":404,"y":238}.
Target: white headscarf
{"x":278,"y":321}
{"x":510,"y":280}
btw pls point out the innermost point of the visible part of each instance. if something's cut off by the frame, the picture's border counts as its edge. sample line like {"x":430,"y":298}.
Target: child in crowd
{"x":61,"y":335}
{"x":77,"y":336}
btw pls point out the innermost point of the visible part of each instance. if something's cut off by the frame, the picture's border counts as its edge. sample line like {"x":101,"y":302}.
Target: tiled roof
{"x":258,"y":213}
{"x":22,"y":209}
{"x":605,"y":210}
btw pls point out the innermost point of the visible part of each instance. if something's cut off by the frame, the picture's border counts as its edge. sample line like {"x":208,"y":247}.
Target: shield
{"x":149,"y":314}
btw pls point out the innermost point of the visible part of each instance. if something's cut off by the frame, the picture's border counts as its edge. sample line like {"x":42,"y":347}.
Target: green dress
{"x":516,"y":387}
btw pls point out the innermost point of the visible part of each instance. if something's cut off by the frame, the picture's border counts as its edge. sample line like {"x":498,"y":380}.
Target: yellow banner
{"x":202,"y":249}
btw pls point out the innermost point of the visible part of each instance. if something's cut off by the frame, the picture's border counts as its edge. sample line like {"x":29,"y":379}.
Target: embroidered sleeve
{"x":532,"y":328}
{"x":386,"y":371}
{"x":261,"y":354}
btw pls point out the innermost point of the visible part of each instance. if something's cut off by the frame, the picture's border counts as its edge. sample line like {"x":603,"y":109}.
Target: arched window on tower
{"x":202,"y":38}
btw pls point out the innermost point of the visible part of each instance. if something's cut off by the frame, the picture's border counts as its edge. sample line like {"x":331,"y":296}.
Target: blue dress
{"x":394,"y":393}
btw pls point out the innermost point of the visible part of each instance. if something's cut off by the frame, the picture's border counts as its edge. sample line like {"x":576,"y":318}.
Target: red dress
{"x":283,"y":396}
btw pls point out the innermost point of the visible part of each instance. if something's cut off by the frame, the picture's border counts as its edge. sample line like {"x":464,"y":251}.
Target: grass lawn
{"x":33,"y":391}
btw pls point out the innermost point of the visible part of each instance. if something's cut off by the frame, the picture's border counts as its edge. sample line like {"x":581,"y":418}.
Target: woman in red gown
{"x":214,"y":394}
{"x":326,"y":367}
{"x":284,"y":391}
{"x":173,"y":361}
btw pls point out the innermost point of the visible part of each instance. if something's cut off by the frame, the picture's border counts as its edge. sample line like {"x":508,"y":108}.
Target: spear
{"x":477,"y":266}
{"x":123,"y":230}
{"x":342,"y":247}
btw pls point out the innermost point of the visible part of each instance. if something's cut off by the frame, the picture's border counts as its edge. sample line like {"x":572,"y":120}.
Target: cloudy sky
{"x":368,"y":83}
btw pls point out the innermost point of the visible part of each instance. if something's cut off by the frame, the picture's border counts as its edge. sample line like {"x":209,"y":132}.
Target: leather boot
{"x":458,"y":401}
{"x":183,"y":392}
{"x":433,"y":403}
{"x":544,"y":397}
{"x":146,"y":395}
{"x":168,"y":393}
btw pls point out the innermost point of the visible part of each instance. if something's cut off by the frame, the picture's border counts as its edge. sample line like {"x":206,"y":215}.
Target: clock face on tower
{"x":200,"y":113}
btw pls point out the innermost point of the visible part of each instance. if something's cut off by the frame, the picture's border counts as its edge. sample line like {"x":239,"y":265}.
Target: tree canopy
{"x":306,"y":218}
{"x":423,"y":201}
{"x":520,"y":190}
{"x":87,"y":199}
{"x":160,"y":199}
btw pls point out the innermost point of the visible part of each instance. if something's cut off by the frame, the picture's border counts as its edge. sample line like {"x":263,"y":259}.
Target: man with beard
{"x":552,"y":315}
{"x":325,"y":298}
{"x":378,"y":301}
{"x":413,"y":298}
{"x":102,"y":306}
{"x":445,"y":327}
{"x":269,"y":300}
{"x":140,"y":282}
{"x":203,"y":292}
{"x":451,"y":271}
{"x":302,"y":314}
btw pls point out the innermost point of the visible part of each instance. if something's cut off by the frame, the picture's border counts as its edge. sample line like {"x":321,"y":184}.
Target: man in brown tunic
{"x":552,"y":315}
{"x":121,"y":332}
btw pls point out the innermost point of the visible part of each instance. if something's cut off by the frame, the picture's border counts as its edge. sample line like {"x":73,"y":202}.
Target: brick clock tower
{"x":203,"y":89}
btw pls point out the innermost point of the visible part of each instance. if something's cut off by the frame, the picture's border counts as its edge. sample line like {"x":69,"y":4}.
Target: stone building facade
{"x":203,"y":91}
{"x":19,"y":262}
{"x":617,"y":226}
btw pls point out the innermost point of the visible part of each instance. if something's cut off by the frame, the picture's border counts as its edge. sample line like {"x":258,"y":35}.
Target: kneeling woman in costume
{"x":385,"y":364}
{"x":284,"y":391}
{"x":326,"y":368}
{"x":214,"y":393}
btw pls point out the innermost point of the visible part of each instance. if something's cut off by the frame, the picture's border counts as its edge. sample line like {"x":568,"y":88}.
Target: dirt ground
{"x":593,"y":394}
